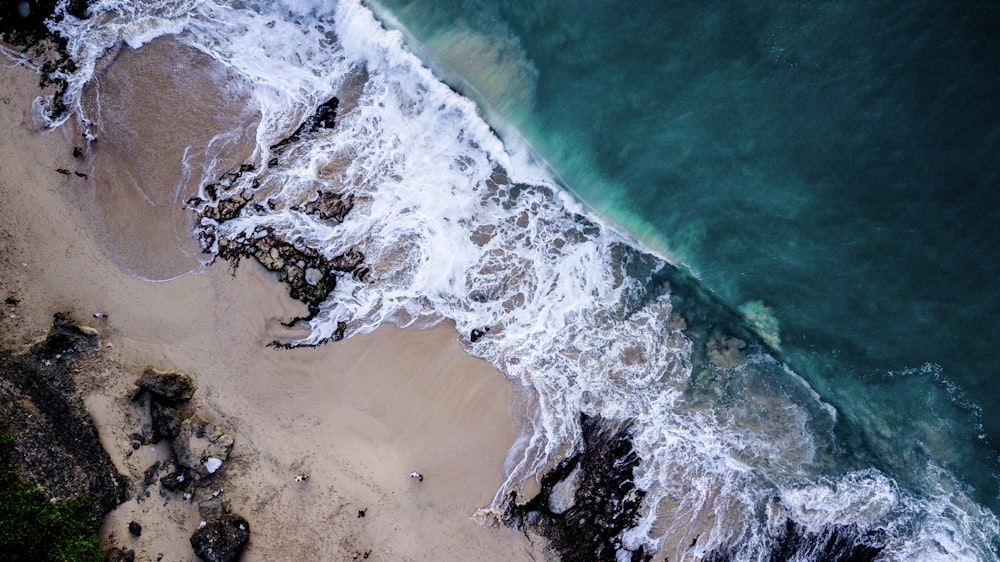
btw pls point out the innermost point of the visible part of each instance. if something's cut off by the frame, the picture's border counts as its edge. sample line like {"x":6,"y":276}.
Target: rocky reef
{"x":308,"y":272}
{"x":587,"y":500}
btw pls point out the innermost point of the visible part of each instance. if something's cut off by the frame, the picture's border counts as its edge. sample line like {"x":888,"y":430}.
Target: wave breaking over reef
{"x":379,"y":195}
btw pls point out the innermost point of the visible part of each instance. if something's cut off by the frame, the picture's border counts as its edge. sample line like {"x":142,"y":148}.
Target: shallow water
{"x":727,"y":142}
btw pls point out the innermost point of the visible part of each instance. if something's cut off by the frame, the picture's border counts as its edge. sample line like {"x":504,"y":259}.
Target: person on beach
{"x":417,"y":475}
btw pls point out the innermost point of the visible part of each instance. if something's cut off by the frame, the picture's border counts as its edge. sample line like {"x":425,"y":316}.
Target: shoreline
{"x":349,"y":413}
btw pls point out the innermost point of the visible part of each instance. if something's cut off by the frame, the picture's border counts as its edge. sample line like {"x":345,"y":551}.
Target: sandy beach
{"x":358,"y":415}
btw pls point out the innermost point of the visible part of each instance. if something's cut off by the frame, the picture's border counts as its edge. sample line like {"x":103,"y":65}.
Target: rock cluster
{"x":200,"y":449}
{"x":309,"y":274}
{"x":199,"y":446}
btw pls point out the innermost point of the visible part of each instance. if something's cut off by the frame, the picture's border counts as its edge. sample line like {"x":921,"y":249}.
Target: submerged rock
{"x":66,"y":340}
{"x":847,"y":543}
{"x":221,"y":539}
{"x":166,"y":421}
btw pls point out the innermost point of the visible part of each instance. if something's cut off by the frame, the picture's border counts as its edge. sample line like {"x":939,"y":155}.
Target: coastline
{"x":359,"y":415}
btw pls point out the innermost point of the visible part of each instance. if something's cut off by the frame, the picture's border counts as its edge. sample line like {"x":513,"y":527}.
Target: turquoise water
{"x":831,"y":166}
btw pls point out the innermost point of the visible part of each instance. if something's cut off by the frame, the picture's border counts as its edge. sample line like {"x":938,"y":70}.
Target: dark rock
{"x":308,"y":273}
{"x":54,"y":443}
{"x":477,"y":334}
{"x":120,"y":554}
{"x":330,"y":205}
{"x":324,"y":118}
{"x":149,"y":476}
{"x":841,"y":543}
{"x":222,"y":539}
{"x":169,"y":386}
{"x":66,"y":340}
{"x":135,"y":528}
{"x":338,"y":334}
{"x":348,"y":261}
{"x":77,"y":152}
{"x":588,"y":500}
{"x":166,"y":421}
{"x":176,"y":480}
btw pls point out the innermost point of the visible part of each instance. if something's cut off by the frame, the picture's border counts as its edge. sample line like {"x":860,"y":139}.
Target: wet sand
{"x":359,"y":415}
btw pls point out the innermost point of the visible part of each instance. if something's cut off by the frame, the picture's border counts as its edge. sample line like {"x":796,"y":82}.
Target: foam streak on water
{"x":456,"y":228}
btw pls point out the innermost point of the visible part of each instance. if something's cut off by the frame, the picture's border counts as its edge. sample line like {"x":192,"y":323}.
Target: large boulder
{"x":168,"y":386}
{"x":201,"y":447}
{"x":222,"y":539}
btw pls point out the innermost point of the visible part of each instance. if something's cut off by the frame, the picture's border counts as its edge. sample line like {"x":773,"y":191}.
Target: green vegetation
{"x":34,"y":528}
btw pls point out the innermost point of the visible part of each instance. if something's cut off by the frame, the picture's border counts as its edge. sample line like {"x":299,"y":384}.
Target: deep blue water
{"x":835,"y":163}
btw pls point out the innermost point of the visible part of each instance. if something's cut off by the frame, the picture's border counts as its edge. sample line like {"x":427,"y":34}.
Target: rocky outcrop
{"x":589,"y":499}
{"x":221,"y":539}
{"x":55,"y":444}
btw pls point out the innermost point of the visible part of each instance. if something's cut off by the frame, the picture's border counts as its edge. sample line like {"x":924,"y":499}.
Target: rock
{"x":122,"y":554}
{"x":330,"y":205}
{"x":324,"y":118}
{"x":175,"y":480}
{"x":199,"y":441}
{"x":66,"y":340}
{"x":135,"y":528}
{"x":213,"y":508}
{"x":221,"y":539}
{"x":348,"y":261}
{"x":166,"y":421}
{"x":227,"y":209}
{"x":169,"y":386}
{"x":478,"y":333}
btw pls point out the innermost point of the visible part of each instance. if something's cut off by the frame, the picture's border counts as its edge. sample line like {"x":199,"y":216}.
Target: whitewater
{"x":459,"y":225}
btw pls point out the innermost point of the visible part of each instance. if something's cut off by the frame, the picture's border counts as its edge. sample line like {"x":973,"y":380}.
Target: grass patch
{"x":34,"y":528}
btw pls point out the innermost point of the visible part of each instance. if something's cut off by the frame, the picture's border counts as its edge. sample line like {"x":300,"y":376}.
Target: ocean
{"x":762,"y":233}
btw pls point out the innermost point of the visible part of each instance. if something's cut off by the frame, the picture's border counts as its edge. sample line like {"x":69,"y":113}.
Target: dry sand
{"x":359,"y":415}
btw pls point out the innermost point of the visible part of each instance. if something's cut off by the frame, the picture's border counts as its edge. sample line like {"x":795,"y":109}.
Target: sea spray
{"x":731,"y":446}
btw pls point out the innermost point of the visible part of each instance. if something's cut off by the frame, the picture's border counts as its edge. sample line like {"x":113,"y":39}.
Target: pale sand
{"x":359,"y":415}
